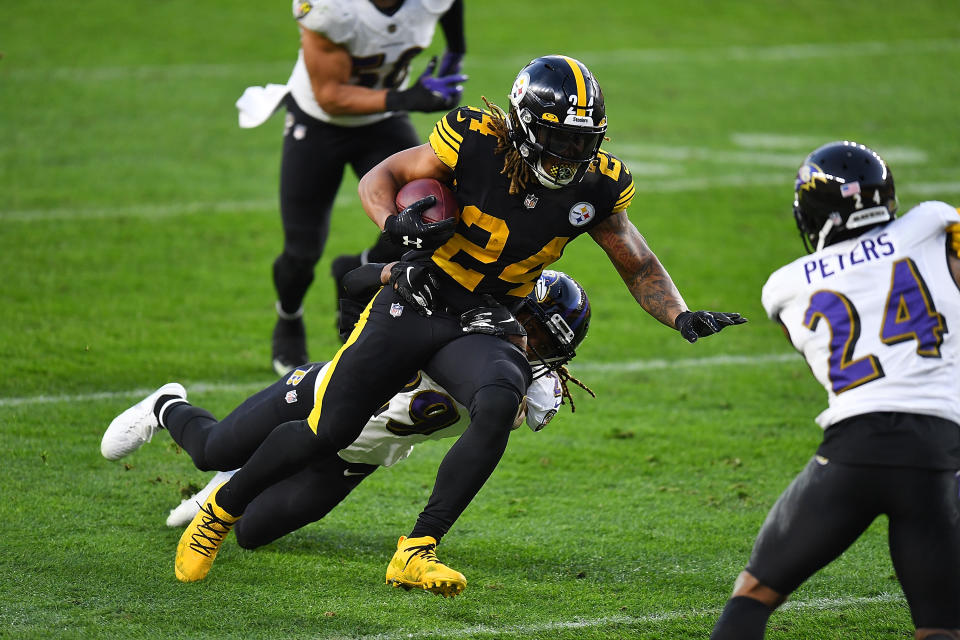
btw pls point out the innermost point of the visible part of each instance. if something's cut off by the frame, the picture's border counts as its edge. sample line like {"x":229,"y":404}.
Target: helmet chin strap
{"x":822,"y":237}
{"x":826,"y":229}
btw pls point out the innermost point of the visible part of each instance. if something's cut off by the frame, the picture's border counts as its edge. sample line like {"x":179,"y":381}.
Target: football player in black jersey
{"x":556,"y":316}
{"x":528,"y":182}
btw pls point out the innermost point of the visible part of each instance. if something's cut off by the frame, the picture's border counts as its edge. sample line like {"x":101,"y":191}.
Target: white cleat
{"x":135,"y":427}
{"x":182,"y":515}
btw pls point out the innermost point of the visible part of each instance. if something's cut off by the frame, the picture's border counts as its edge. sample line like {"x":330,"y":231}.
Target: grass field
{"x":138,"y":226}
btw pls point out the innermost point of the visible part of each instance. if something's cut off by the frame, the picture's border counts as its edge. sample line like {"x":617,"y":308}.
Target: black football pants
{"x":829,"y":505}
{"x":299,"y":499}
{"x":315,"y":155}
{"x":390,"y":343}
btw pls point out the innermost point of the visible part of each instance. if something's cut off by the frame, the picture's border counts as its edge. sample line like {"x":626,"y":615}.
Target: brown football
{"x":446,"y":206}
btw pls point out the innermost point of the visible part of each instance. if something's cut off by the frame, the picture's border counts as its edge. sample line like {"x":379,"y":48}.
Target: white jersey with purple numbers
{"x":877,"y":318}
{"x":423,"y":410}
{"x":380,"y":46}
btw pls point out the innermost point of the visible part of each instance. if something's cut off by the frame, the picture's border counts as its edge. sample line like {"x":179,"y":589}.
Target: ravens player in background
{"x":557,"y":316}
{"x":346,"y":105}
{"x":875,"y":311}
{"x":528,"y":182}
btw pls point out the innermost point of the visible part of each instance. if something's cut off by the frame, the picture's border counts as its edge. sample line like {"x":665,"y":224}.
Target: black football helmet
{"x":556,"y":320}
{"x":557,"y":119}
{"x":842,"y":189}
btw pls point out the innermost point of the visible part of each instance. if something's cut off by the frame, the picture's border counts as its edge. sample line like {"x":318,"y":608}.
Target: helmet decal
{"x":850,"y":189}
{"x":520,"y":86}
{"x":807,"y":177}
{"x":580,"y":98}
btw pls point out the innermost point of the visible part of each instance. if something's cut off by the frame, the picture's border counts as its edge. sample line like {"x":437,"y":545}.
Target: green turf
{"x":137,"y":230}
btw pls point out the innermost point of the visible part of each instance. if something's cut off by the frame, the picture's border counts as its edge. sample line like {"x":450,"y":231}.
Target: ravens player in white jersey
{"x":556,"y":315}
{"x":875,"y":310}
{"x":346,"y":104}
{"x":528,"y":182}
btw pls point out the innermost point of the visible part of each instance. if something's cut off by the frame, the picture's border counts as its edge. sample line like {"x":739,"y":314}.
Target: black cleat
{"x":289,"y":344}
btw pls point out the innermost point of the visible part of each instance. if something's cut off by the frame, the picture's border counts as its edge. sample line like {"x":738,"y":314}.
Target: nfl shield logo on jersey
{"x":530,"y":201}
{"x":396,"y":309}
{"x":291,"y":396}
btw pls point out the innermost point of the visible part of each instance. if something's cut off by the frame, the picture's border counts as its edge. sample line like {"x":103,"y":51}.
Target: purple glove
{"x":428,"y":93}
{"x":450,"y":64}
{"x":445,"y":86}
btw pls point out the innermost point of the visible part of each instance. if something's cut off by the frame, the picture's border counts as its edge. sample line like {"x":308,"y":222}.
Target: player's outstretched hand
{"x":416,"y":284}
{"x":700,"y":324}
{"x":429,"y":93}
{"x":407,"y":228}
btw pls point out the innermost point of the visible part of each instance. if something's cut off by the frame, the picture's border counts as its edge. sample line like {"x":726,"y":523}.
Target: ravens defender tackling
{"x":556,"y":315}
{"x":528,"y":182}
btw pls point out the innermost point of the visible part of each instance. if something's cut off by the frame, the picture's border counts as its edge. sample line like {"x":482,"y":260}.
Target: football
{"x":446,"y":206}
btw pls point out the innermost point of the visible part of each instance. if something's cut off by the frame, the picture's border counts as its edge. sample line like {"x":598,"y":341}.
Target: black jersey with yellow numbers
{"x":503,"y":242}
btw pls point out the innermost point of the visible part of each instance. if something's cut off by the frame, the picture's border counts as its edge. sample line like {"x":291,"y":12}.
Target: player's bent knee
{"x":498,"y":404}
{"x":748,"y":586}
{"x":928,"y":633}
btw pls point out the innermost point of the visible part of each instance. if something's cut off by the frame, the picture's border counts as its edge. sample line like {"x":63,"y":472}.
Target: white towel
{"x":257,"y":104}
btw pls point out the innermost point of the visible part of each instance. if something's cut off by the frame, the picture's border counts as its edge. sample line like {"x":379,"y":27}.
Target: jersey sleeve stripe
{"x":625,"y":198}
{"x":447,"y":150}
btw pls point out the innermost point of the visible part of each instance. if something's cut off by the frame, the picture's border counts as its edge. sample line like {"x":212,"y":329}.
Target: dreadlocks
{"x":513,"y":165}
{"x":564,"y":374}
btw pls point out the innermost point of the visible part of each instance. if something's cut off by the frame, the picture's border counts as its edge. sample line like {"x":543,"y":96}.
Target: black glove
{"x":416,"y":284}
{"x":700,"y":324}
{"x":407,"y":228}
{"x":428,"y":93}
{"x":493,"y":320}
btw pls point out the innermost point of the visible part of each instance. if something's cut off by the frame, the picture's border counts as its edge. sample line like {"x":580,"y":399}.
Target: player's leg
{"x":489,"y":376}
{"x":137,"y":425}
{"x":371,"y":145}
{"x":924,"y":536}
{"x":311,"y":170}
{"x":384,"y":351}
{"x":823,"y":511}
{"x":295,"y":502}
{"x":227,"y":444}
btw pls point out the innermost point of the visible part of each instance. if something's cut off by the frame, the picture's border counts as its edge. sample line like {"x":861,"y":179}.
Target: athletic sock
{"x":743,"y":618}
{"x":162,"y":404}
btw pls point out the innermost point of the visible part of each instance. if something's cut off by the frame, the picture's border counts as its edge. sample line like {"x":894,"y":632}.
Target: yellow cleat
{"x":200,"y":542}
{"x":415,"y":565}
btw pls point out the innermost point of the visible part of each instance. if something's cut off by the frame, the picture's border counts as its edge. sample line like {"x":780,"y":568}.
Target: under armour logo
{"x":414,"y":242}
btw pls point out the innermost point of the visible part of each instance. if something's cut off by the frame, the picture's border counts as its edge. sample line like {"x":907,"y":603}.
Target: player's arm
{"x":378,"y":188}
{"x":953,"y":251}
{"x":329,"y":66}
{"x":452,"y":25}
{"x":640,"y":268}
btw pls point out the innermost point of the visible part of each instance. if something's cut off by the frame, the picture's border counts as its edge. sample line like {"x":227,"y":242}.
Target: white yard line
{"x":277,"y":71}
{"x":606,"y":367}
{"x":519,"y":631}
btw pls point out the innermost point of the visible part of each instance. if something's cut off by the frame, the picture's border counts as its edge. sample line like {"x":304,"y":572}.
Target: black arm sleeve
{"x":452,"y":25}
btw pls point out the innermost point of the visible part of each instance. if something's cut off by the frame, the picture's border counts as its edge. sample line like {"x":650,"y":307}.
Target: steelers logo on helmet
{"x":519,"y":88}
{"x":557,"y":118}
